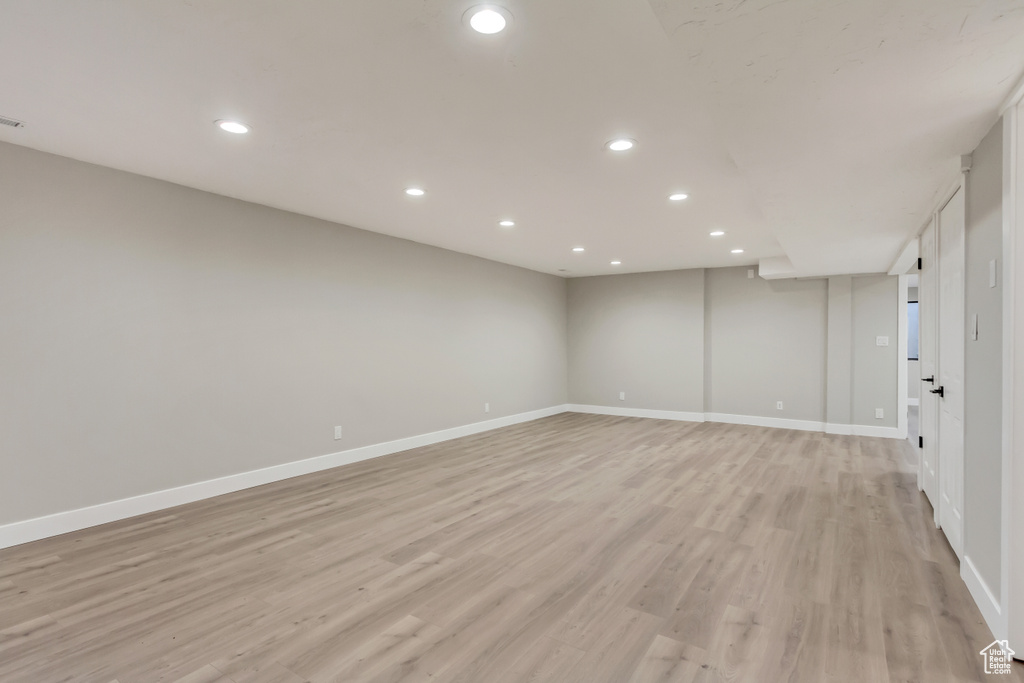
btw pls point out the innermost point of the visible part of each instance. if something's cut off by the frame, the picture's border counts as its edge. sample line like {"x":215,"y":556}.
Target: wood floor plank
{"x":572,"y":548}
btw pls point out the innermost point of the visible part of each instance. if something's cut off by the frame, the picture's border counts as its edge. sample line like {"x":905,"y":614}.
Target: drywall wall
{"x":839,"y":396}
{"x":155,"y":336}
{"x":642,"y":334}
{"x":807,"y":343}
{"x":983,"y":371}
{"x":874,"y":375}
{"x":767,"y":343}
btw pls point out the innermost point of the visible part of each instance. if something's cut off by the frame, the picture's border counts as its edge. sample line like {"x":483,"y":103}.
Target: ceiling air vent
{"x":13,"y":123}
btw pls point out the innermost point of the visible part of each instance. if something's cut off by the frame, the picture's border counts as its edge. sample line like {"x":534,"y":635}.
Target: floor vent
{"x":13,"y":123}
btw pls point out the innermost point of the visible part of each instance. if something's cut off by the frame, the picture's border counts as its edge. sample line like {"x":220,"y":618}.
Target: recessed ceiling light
{"x":578,"y":249}
{"x":487,"y":19}
{"x":737,"y":251}
{"x":415,"y":192}
{"x":621,"y":144}
{"x":616,"y":263}
{"x":717,"y":233}
{"x":678,"y":196}
{"x":232,"y":126}
{"x":506,"y":224}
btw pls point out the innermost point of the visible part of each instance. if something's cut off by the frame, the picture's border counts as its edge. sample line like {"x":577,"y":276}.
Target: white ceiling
{"x":821,"y":130}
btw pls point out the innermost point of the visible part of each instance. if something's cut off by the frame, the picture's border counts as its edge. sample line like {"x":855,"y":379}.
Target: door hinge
{"x":920,"y":442}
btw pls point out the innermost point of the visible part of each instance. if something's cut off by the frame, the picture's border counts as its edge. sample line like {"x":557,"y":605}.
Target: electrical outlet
{"x":879,"y":413}
{"x":337,"y":433}
{"x":778,"y":405}
{"x":622,"y":395}
{"x":487,"y":407}
{"x":750,"y":274}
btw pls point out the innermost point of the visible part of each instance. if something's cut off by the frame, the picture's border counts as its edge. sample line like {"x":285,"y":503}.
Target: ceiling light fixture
{"x":717,"y":233}
{"x":678,"y":196}
{"x":232,"y":126}
{"x":487,"y":19}
{"x":506,"y":224}
{"x":616,"y":263}
{"x":415,"y":192}
{"x":578,"y":249}
{"x":621,"y":144}
{"x":737,"y":251}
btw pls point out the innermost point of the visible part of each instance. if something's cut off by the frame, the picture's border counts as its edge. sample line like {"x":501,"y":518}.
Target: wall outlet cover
{"x":337,"y":433}
{"x":881,"y":341}
{"x":879,"y":413}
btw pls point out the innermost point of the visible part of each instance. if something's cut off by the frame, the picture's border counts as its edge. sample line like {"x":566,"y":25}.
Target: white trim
{"x":58,"y":523}
{"x":1007,"y":283}
{"x":1015,"y":96}
{"x":880,"y":432}
{"x":907,"y":258}
{"x":1012,"y":517}
{"x":17,"y":533}
{"x":681,"y":416}
{"x":750,"y":420}
{"x":774,"y":422}
{"x":902,"y":336}
{"x":864,"y":430}
{"x":913,"y":401}
{"x":840,"y":430}
{"x":990,"y":608}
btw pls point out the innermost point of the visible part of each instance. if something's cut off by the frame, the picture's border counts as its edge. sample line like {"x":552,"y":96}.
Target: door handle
{"x":931,"y":379}
{"x":941,"y":391}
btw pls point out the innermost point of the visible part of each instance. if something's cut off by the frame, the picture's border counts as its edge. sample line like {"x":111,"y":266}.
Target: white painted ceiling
{"x":821,"y":130}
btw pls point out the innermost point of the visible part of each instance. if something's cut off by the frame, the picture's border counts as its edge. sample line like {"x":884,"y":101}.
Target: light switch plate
{"x":881,"y":341}
{"x":992,"y":273}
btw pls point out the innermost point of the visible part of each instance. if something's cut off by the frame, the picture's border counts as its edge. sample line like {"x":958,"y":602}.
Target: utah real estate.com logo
{"x":998,"y":657}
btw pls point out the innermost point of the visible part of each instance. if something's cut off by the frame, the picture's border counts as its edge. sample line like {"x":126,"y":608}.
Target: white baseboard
{"x":17,"y":533}
{"x":637,"y":412}
{"x":775,"y":422}
{"x":882,"y":432}
{"x":28,"y":530}
{"x":863,"y":430}
{"x":752,"y":420}
{"x":913,"y":401}
{"x":983,"y":597}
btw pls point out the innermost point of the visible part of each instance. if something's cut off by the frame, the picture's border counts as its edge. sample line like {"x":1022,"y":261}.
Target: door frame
{"x":930,"y":333}
{"x":959,"y":316}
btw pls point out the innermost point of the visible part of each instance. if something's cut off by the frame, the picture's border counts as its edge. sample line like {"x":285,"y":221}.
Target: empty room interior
{"x":565,"y":341}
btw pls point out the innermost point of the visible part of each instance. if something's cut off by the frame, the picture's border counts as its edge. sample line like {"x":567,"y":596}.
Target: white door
{"x":928,"y":296}
{"x":951,"y":370}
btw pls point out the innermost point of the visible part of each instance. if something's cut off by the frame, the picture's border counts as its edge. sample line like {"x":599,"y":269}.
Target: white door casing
{"x":950,"y":375}
{"x":928,"y":297}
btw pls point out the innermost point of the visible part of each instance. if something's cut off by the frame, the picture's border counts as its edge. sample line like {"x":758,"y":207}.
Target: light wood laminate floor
{"x":573,"y":548}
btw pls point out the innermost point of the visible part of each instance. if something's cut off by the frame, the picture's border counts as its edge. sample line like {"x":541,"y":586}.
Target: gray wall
{"x":983,"y":362}
{"x":767,"y":343}
{"x":807,"y":343}
{"x":839,"y":398}
{"x":640,"y":333}
{"x":155,"y":336}
{"x":875,"y":373}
